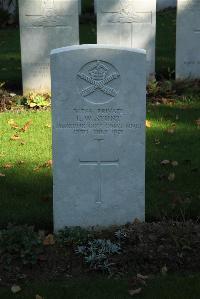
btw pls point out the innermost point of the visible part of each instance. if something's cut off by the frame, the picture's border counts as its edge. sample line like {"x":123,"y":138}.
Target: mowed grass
{"x":10,"y":58}
{"x":170,"y":287}
{"x":26,"y":188}
{"x":26,"y":191}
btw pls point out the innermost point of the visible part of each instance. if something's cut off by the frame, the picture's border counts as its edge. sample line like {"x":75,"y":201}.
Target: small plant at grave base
{"x":34,"y":100}
{"x":19,"y":243}
{"x":97,"y":253}
{"x":121,"y":235}
{"x":72,"y":236}
{"x":153,"y":88}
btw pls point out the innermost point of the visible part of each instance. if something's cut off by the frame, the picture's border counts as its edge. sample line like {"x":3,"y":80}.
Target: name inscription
{"x":99,"y":121}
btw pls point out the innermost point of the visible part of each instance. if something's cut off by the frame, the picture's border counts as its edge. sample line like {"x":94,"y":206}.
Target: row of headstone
{"x":49,"y":24}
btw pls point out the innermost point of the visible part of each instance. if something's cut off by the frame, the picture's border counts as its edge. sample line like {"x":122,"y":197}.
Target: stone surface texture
{"x":128,"y":23}
{"x":44,"y":25}
{"x":188,"y":39}
{"x":98,"y":106}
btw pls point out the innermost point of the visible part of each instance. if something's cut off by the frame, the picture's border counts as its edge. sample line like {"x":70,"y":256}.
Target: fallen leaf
{"x":148,"y":124}
{"x":170,"y":130}
{"x":48,"y":163}
{"x":13,"y":124}
{"x":8,"y":165}
{"x":38,"y":297}
{"x":144,"y":277}
{"x":164,"y":162}
{"x":157,"y":141}
{"x":48,"y":126}
{"x":171,"y":177}
{"x":164,"y":270}
{"x":135,"y":292}
{"x":26,"y":126}
{"x":15,"y":289}
{"x":2,"y":174}
{"x":198,"y":123}
{"x":49,"y":240}
{"x":174,"y":163}
{"x":15,"y":137}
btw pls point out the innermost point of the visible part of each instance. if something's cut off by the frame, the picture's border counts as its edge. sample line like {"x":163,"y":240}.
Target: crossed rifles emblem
{"x":99,"y":78}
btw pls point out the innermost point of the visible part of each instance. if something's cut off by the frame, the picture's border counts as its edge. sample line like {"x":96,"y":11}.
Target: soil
{"x":147,"y":248}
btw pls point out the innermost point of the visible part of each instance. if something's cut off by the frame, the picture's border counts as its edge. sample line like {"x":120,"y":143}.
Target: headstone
{"x":188,"y":39}
{"x":44,"y":25}
{"x":128,"y":23}
{"x":99,"y":102}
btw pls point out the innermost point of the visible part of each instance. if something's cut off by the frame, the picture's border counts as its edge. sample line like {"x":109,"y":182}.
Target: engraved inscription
{"x":127,"y":15}
{"x":99,"y":163}
{"x":49,"y":16}
{"x":101,"y":77}
{"x":99,"y":121}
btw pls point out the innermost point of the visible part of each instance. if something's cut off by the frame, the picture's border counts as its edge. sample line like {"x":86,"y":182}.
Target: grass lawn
{"x":26,"y":188}
{"x":10,"y":60}
{"x":170,"y":287}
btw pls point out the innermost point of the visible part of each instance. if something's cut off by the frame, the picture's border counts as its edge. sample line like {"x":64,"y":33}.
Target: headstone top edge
{"x":95,"y":46}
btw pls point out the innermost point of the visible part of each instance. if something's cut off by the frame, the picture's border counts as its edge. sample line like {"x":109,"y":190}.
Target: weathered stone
{"x":128,"y":23}
{"x":188,"y":39}
{"x":44,"y":25}
{"x":98,"y":135}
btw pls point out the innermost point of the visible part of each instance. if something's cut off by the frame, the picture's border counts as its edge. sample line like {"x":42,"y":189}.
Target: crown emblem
{"x":99,"y":72}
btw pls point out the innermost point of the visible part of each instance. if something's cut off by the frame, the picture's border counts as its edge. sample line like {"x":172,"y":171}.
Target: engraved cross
{"x":99,"y":163}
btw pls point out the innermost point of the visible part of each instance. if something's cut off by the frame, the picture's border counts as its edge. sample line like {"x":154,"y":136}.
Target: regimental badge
{"x":102,"y":78}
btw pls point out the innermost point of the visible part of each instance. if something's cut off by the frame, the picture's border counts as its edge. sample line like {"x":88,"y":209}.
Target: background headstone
{"x":160,"y":4}
{"x":98,"y":102}
{"x":188,"y":39}
{"x":128,"y":23}
{"x":44,"y":25}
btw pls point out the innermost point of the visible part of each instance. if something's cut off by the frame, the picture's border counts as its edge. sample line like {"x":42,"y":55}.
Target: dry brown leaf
{"x":15,"y":137}
{"x":48,"y":163}
{"x":8,"y":165}
{"x":144,"y":277}
{"x":157,"y":141}
{"x":15,"y":289}
{"x":2,"y":174}
{"x":198,"y":123}
{"x":171,"y":177}
{"x":174,"y":163}
{"x":135,"y":292}
{"x":49,"y":240}
{"x":170,"y":130}
{"x":148,"y":124}
{"x":48,"y":126}
{"x":164,"y":162}
{"x":26,"y":126}
{"x":37,"y":168}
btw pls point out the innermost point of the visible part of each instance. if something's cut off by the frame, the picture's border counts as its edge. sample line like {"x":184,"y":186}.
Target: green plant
{"x":153,"y":88}
{"x":72,"y":235}
{"x":34,"y":100}
{"x":19,"y":243}
{"x":97,"y":253}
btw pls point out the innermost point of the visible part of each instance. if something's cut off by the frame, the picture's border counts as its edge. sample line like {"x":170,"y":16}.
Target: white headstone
{"x":44,"y":25}
{"x":188,"y":39}
{"x":128,"y":23}
{"x":98,"y":104}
